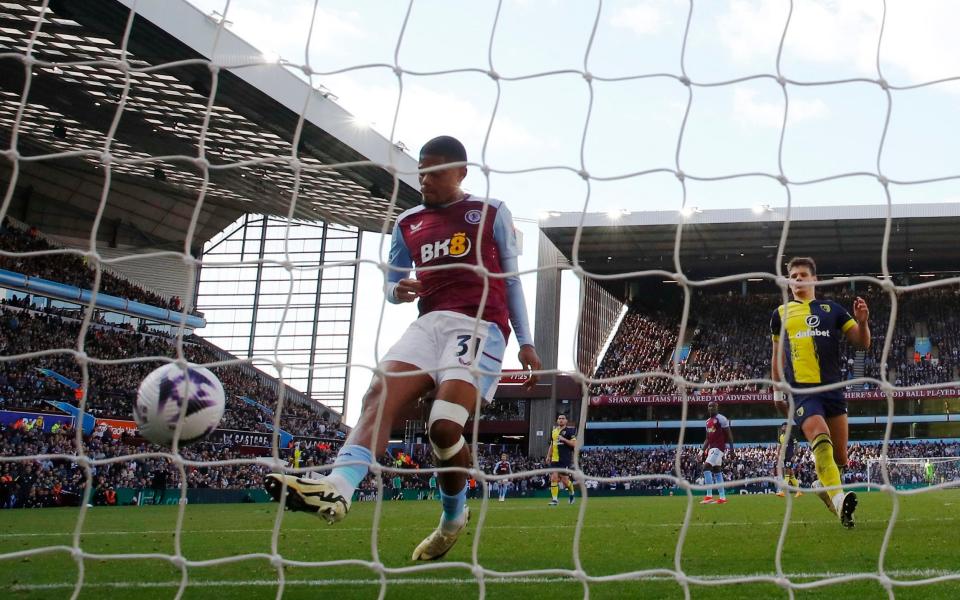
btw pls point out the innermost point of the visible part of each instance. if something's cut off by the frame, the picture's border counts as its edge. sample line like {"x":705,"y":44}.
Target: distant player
{"x":929,"y":472}
{"x":455,"y":232}
{"x":563,"y":439}
{"x":719,"y":440}
{"x":503,"y":467}
{"x":397,"y":487}
{"x":787,"y":445}
{"x":812,"y":358}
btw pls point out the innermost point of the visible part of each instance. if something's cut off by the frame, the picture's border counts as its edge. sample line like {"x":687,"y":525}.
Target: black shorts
{"x":826,"y":404}
{"x":565,"y":462}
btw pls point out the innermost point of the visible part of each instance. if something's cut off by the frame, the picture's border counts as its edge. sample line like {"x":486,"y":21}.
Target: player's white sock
{"x":723,"y":491}
{"x":346,"y":478}
{"x":708,"y":479}
{"x":344,"y":487}
{"x":453,"y":511}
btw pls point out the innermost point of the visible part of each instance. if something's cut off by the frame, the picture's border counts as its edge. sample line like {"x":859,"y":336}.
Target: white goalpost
{"x":885,"y":476}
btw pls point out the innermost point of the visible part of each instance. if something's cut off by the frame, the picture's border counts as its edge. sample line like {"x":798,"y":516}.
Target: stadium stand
{"x":112,"y":388}
{"x":57,"y":483}
{"x":750,"y":461}
{"x":68,"y":268}
{"x":722,"y":337}
{"x":728,"y":336}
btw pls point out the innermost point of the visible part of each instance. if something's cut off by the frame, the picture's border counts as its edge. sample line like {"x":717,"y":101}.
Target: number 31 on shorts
{"x":463,"y":345}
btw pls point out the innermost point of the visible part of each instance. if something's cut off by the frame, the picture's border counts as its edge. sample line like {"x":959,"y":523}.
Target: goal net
{"x":577,"y":162}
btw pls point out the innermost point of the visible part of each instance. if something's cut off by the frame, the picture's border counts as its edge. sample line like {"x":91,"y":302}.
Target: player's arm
{"x":570,"y":441}
{"x":398,"y":287}
{"x":857,"y":328}
{"x":506,"y":238}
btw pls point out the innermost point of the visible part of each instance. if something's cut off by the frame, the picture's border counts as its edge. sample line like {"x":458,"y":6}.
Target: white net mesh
{"x":114,"y":157}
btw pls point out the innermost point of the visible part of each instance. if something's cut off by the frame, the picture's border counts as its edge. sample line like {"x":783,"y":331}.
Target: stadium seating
{"x":68,"y":269}
{"x":112,"y":388}
{"x":729,"y":339}
{"x":54,"y":483}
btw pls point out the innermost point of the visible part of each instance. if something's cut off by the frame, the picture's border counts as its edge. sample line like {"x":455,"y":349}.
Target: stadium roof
{"x":255,"y":112}
{"x":845,"y":240}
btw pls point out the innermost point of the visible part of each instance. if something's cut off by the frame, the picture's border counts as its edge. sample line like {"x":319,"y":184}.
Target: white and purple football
{"x":164,"y":391}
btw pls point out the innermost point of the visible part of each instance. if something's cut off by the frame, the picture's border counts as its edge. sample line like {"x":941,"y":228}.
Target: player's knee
{"x":446,"y":428}
{"x":445,"y":433}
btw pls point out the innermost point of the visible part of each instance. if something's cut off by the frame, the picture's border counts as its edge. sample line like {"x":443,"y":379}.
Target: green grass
{"x":619,"y":535}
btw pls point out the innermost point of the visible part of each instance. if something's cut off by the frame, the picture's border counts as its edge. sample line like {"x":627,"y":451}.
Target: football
{"x":162,"y":394}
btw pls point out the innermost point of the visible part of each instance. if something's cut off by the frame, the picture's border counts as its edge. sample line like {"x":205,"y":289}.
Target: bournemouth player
{"x":811,"y":358}
{"x":563,"y":439}
{"x":503,"y":467}
{"x":719,"y":438}
{"x":455,"y":232}
{"x":787,"y":445}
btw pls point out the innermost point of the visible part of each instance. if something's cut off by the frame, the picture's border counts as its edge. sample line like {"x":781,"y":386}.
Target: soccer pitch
{"x":620,"y":535}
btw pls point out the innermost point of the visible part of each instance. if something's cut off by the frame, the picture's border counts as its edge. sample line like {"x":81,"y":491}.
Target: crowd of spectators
{"x":41,"y":483}
{"x":643,"y":342}
{"x":111,"y":388}
{"x":755,"y":461}
{"x":728,"y":339}
{"x":69,"y":269}
{"x":749,"y":462}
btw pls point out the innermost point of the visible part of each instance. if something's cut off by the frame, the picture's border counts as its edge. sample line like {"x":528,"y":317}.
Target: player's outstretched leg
{"x":330,"y":497}
{"x":320,"y":496}
{"x":571,"y":491}
{"x":446,"y":438}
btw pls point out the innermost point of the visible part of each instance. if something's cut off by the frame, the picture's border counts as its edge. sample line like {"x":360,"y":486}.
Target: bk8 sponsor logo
{"x":456,"y":246}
